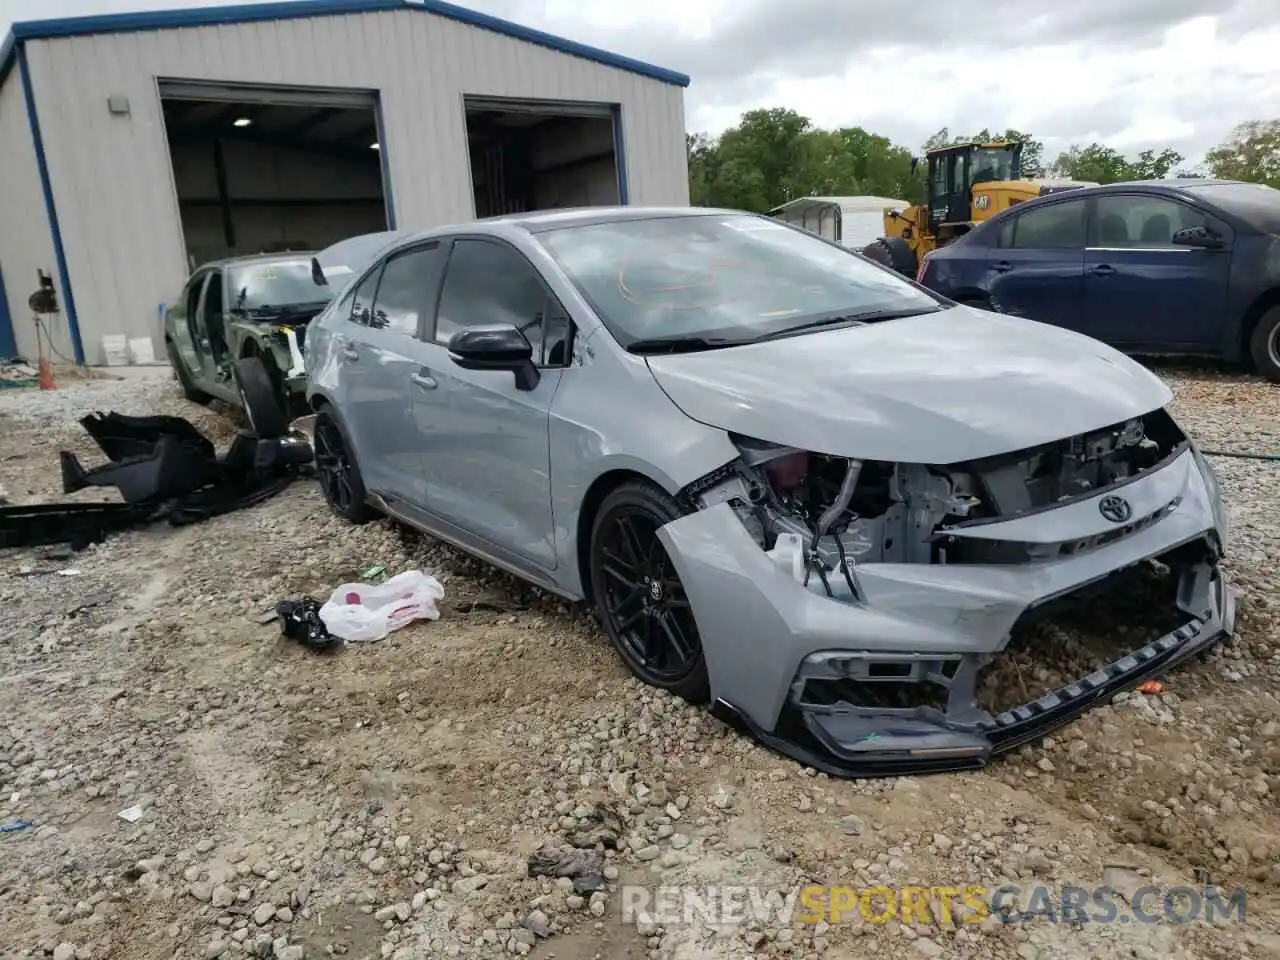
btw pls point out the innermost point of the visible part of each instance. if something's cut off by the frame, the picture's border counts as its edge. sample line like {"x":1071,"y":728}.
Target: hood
{"x":939,"y":388}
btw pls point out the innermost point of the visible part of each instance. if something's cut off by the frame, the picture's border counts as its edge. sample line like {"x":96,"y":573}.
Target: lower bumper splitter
{"x":861,"y":742}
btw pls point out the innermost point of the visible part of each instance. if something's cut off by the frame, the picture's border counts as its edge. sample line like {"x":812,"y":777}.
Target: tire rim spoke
{"x":643,"y":600}
{"x":675,"y":637}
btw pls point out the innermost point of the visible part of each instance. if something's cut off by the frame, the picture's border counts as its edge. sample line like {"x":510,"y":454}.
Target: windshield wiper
{"x":679,"y":344}
{"x":847,"y":319}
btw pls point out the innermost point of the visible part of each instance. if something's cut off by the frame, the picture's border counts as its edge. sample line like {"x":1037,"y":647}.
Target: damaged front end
{"x":871,"y":618}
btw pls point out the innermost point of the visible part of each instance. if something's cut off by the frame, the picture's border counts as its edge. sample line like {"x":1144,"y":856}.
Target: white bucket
{"x":142,"y":350}
{"x":116,"y":350}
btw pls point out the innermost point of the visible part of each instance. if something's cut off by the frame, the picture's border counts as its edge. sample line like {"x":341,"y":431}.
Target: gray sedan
{"x":790,"y":481}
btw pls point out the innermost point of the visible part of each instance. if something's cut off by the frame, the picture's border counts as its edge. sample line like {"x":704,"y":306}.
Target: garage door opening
{"x":262,"y":171}
{"x":542,"y":155}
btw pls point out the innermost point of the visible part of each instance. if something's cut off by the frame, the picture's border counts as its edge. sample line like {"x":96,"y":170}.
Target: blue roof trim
{"x":297,"y":9}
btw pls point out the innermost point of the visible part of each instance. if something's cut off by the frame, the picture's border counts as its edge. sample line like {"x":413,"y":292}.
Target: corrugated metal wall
{"x":25,"y":243}
{"x":111,"y":175}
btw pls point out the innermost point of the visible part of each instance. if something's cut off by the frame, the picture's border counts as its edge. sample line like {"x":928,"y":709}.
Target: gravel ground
{"x":385,"y":801}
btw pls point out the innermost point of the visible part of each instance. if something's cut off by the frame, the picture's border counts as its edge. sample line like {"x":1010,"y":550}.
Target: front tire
{"x":1264,"y":345}
{"x":260,"y":400}
{"x":340,"y":481}
{"x":640,"y":600}
{"x":893,"y":252}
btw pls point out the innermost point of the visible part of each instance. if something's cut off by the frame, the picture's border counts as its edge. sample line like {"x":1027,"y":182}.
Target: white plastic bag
{"x":363,"y":612}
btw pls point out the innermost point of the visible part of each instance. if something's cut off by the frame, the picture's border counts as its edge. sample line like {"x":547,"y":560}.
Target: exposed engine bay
{"x":819,"y":516}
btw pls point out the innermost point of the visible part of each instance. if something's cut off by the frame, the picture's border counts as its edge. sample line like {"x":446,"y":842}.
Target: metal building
{"x":134,"y":146}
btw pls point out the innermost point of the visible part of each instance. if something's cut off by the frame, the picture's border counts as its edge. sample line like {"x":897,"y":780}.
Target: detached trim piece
{"x":301,"y":9}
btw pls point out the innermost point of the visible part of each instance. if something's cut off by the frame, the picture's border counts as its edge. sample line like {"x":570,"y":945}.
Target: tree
{"x":776,"y":155}
{"x":1104,"y":164}
{"x":1251,"y":153}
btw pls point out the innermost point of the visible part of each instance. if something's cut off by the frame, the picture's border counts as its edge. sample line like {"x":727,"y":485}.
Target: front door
{"x":485,"y":443}
{"x":185,"y":327}
{"x":1141,"y":291}
{"x":381,"y":349}
{"x":211,"y":344}
{"x":1037,"y":270}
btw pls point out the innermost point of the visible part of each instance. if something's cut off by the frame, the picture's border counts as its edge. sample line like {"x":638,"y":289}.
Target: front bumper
{"x":760,"y":629}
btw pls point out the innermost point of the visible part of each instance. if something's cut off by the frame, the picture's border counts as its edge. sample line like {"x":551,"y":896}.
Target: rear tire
{"x":1264,"y":345}
{"x":639,"y":598}
{"x":189,"y":390}
{"x":340,"y":481}
{"x":260,"y":400}
{"x":893,"y":252}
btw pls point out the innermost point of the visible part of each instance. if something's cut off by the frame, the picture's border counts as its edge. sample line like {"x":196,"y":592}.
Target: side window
{"x":361,"y":310}
{"x":1005,"y":233}
{"x":1134,"y":222}
{"x":488,"y":282}
{"x":1058,"y":226}
{"x":940,"y":165}
{"x":405,"y":290}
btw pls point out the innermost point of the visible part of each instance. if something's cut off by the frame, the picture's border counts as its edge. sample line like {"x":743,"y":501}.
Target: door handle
{"x":349,"y":353}
{"x":424,"y":381}
{"x":1004,"y":266}
{"x":1103,"y":270}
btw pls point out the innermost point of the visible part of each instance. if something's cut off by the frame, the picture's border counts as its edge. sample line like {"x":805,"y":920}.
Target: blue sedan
{"x":1158,"y":267}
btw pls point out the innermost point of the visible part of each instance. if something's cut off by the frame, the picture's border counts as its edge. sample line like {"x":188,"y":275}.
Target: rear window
{"x":1255,"y":203}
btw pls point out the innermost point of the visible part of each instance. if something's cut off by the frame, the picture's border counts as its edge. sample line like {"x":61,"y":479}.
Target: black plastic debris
{"x":300,"y":621}
{"x":163,"y":469}
{"x":584,"y":867}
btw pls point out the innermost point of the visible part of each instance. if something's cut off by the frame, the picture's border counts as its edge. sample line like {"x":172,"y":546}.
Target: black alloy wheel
{"x":641,"y":602}
{"x":340,"y":480}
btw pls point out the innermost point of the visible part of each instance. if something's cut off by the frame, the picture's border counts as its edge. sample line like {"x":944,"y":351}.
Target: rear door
{"x":1143,"y":292}
{"x":1036,"y":270}
{"x":380,"y":351}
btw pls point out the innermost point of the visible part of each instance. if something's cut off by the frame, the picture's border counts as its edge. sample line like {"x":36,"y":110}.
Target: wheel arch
{"x":600,"y":488}
{"x":1256,"y":311}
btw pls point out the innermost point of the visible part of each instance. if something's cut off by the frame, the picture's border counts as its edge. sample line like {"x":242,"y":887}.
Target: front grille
{"x":981,"y":550}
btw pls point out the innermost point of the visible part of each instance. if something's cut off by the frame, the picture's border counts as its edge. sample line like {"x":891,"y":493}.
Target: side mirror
{"x":1201,"y":237}
{"x":498,"y":346}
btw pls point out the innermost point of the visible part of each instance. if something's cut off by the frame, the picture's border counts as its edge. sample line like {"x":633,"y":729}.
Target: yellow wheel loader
{"x":967,"y":184}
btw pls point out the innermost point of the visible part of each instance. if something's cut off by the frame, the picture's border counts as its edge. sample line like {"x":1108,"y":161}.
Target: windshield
{"x":733,"y":277}
{"x":274,"y":283}
{"x":992,"y":163}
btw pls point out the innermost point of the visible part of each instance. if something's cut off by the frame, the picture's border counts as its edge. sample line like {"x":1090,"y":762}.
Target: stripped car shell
{"x":934,"y":562}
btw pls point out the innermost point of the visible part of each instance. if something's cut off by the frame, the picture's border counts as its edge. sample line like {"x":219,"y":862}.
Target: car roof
{"x":291,"y":255}
{"x":1257,"y":205}
{"x":541,"y":221}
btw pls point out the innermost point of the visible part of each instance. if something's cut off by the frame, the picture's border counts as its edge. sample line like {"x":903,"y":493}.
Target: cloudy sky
{"x":1131,"y":73}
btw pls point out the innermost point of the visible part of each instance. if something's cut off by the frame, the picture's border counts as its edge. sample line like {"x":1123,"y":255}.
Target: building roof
{"x":297,"y":9}
{"x":858,"y":204}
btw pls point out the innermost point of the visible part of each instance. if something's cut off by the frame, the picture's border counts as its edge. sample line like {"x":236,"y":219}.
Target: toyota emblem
{"x":1115,"y":509}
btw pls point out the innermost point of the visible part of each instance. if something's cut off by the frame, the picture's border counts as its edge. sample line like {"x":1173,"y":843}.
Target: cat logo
{"x":983,"y":201}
